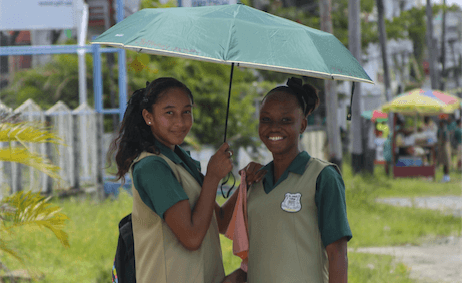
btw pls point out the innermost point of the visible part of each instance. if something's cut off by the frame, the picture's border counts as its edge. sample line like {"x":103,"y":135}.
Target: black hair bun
{"x":306,"y":94}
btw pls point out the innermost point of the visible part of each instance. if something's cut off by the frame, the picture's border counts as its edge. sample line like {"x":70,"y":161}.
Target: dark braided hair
{"x":134,"y":135}
{"x":306,"y":94}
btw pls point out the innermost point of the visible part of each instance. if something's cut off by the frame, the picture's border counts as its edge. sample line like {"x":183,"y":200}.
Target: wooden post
{"x":99,"y":156}
{"x":383,"y":47}
{"x":76,"y":150}
{"x":431,"y":47}
{"x":443,"y":48}
{"x":333,"y":130}
{"x":393,"y":145}
{"x":48,"y":190}
{"x":354,"y":42}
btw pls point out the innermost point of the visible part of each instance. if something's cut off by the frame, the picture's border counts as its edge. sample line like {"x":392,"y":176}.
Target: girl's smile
{"x":281,"y":122}
{"x":171,"y":118}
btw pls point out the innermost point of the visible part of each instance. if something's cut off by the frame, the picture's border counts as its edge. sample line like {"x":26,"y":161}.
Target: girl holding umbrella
{"x":175,"y":229}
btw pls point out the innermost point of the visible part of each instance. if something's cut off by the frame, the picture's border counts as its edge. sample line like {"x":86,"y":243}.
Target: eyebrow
{"x":173,"y":107}
{"x":284,"y":113}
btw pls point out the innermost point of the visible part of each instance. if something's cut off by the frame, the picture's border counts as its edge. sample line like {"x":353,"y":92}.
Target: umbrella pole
{"x":351,"y":101}
{"x":229,"y":99}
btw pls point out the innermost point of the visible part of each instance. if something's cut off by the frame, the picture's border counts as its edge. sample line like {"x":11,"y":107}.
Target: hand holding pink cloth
{"x":237,"y":230}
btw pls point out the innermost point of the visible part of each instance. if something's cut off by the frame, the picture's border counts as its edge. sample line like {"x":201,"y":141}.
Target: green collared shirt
{"x":154,"y":179}
{"x":329,"y":197}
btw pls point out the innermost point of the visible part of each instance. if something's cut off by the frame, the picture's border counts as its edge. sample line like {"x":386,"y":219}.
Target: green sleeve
{"x":156,"y":184}
{"x":331,"y":205}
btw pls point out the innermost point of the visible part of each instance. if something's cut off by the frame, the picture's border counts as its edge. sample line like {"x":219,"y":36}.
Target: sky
{"x":450,"y":2}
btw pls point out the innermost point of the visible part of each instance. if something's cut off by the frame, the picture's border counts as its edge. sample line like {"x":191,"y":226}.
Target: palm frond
{"x":34,"y":209}
{"x":25,"y":132}
{"x":32,"y":159}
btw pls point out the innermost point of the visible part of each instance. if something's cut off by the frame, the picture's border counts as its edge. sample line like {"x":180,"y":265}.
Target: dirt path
{"x":438,"y":260}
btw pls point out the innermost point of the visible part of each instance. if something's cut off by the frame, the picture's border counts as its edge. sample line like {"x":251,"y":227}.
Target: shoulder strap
{"x":126,"y":232}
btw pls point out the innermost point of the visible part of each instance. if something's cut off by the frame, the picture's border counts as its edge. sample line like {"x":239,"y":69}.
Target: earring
{"x":149,"y":122}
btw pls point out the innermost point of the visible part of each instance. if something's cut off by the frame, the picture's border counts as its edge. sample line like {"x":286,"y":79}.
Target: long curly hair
{"x":134,"y":136}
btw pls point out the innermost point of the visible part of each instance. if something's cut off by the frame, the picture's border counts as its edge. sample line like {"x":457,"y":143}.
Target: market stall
{"x":417,"y":150}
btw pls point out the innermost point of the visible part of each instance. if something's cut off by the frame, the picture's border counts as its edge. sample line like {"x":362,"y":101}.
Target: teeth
{"x":275,"y":138}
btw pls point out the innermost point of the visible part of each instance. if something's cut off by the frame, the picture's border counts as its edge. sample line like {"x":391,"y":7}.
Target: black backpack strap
{"x":124,"y":262}
{"x":126,"y":232}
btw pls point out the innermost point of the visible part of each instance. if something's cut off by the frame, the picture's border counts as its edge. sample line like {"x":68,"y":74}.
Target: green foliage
{"x":27,"y":209}
{"x":412,"y":24}
{"x":93,"y":238}
{"x":24,"y":133}
{"x":57,"y":80}
{"x":33,"y":209}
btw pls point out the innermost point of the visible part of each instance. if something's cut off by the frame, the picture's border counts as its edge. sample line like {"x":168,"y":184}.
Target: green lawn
{"x":93,"y":232}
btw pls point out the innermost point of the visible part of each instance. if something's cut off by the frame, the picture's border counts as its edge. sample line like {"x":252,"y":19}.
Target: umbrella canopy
{"x":236,"y":34}
{"x":429,"y":102}
{"x":375,"y":115}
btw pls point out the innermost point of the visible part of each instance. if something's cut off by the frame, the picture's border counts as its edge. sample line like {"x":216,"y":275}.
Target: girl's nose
{"x":275,"y":125}
{"x":179,"y":120}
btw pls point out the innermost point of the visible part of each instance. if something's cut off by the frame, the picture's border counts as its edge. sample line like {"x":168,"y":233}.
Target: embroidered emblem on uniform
{"x":291,"y":202}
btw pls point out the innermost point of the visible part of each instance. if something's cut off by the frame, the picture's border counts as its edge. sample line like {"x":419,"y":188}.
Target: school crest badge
{"x":291,"y":202}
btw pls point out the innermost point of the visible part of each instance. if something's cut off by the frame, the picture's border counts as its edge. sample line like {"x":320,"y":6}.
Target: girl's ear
{"x":147,"y":117}
{"x":304,"y":125}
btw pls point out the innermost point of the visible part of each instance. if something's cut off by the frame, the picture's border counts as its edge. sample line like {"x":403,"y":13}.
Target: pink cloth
{"x":237,"y":229}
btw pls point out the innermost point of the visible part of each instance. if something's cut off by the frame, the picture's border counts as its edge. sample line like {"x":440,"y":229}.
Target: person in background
{"x":387,"y":145}
{"x":444,"y":149}
{"x":452,"y":126}
{"x":458,"y":138}
{"x":429,"y":125}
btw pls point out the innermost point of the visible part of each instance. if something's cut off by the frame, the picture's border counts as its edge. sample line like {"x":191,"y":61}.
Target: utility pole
{"x":333,"y":130}
{"x":431,"y":47}
{"x":354,"y":42}
{"x":443,"y":48}
{"x":383,"y":47}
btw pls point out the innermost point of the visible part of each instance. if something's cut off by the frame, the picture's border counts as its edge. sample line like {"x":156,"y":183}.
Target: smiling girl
{"x":175,"y":228}
{"x":297,"y":221}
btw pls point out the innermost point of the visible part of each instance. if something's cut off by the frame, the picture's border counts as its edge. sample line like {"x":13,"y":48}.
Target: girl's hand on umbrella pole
{"x":253,"y":173}
{"x":220,"y":163}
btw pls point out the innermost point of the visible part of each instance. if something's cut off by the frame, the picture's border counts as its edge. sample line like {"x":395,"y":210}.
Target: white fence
{"x":76,"y":156}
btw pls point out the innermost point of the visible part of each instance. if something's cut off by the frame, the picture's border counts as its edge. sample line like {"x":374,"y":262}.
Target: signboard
{"x":38,"y":14}
{"x":198,"y":3}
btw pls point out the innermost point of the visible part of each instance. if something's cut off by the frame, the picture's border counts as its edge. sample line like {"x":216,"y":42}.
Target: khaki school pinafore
{"x":159,"y":256}
{"x":285,"y":242}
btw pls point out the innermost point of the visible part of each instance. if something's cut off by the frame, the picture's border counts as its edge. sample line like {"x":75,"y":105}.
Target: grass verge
{"x":93,"y":233}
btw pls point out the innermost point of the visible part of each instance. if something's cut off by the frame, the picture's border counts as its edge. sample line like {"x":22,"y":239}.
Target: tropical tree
{"x":27,"y":208}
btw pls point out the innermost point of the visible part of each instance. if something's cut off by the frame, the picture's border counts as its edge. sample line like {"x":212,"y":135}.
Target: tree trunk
{"x":456,"y":65}
{"x":354,"y":42}
{"x":383,"y":47}
{"x":431,"y":47}
{"x":333,"y":130}
{"x":443,"y":48}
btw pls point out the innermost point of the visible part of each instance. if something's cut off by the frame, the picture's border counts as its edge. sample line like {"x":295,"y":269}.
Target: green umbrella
{"x":236,"y":34}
